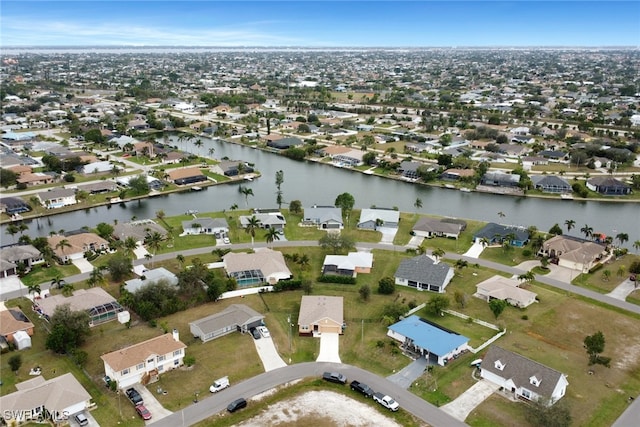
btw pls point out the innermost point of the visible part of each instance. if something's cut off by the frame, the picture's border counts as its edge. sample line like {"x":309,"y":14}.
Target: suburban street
{"x":218,"y":402}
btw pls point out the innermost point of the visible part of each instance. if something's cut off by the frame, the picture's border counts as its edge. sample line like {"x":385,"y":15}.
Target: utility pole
{"x":289,"y":324}
{"x":362,"y":333}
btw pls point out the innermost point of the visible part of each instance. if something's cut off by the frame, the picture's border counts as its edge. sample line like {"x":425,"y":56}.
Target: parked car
{"x":264,"y":331}
{"x":237,"y":404}
{"x":386,"y":401}
{"x":143,"y":412}
{"x":107,"y":381}
{"x":134,"y":396}
{"x":81,"y":419}
{"x":255,"y":333}
{"x":226,"y":240}
{"x":362,"y":388}
{"x":334,"y":377}
{"x":219,"y":384}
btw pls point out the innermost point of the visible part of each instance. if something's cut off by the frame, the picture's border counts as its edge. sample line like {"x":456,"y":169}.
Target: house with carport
{"x":236,"y":317}
{"x":522,"y":377}
{"x":54,"y":400}
{"x":145,"y":361}
{"x":434,"y":342}
{"x":320,"y":314}
{"x":424,"y":274}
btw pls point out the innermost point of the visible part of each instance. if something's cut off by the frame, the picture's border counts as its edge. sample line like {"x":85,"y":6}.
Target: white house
{"x":502,"y":288}
{"x":523,"y":377}
{"x":96,"y":167}
{"x":54,"y":399}
{"x":57,"y":198}
{"x":144,"y":362}
{"x":205,"y":226}
{"x":372,"y":219}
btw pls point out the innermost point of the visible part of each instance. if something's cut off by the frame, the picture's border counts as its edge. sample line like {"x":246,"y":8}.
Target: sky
{"x":319,"y":23}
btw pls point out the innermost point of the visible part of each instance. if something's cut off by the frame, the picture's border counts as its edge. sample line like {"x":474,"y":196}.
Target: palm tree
{"x":22,"y":227}
{"x":271,"y":235}
{"x":252,"y":225}
{"x":34,"y":289}
{"x":211,"y":151}
{"x":67,"y":289}
{"x":484,"y":241}
{"x":198,"y":143}
{"x":180,"y":259}
{"x":622,"y":238}
{"x":636,"y":245}
{"x":527,"y":277}
{"x":129,"y":246}
{"x":95,"y":277}
{"x":247,"y":192}
{"x":501,"y":214}
{"x":417,"y":204}
{"x":537,"y":242}
{"x":570,"y":224}
{"x":62,"y":244}
{"x":57,"y":282}
{"x":12,"y":229}
{"x":437,"y":253}
{"x":160,"y":214}
{"x":154,"y":240}
{"x":460,"y":264}
{"x":587,"y":231}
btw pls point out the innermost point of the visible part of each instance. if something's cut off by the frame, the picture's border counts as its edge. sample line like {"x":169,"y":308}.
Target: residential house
{"x":343,"y":156}
{"x":348,"y":265}
{"x":320,"y":314}
{"x":57,"y":198}
{"x":523,"y":377}
{"x":151,"y":276}
{"x":551,"y":184}
{"x":573,"y":252}
{"x":236,"y":317}
{"x":436,"y":227}
{"x":33,"y":179}
{"x":500,"y":179}
{"x":323,"y":217}
{"x":249,"y":269}
{"x":138,"y":229}
{"x":424,"y":274}
{"x":13,"y":320}
{"x":13,"y":205}
{"x":144,"y":362}
{"x":186,"y":176}
{"x":11,"y":256}
{"x":409,"y":169}
{"x":206,"y":225}
{"x":99,"y":187}
{"x":96,"y":167}
{"x":234,"y":167}
{"x":372,"y":219}
{"x":502,"y":288}
{"x":432,"y":341}
{"x":498,"y":234}
{"x":267,"y":220}
{"x":54,"y":400}
{"x":76,"y":245}
{"x":554,"y":155}
{"x":608,"y":186}
{"x":100,"y":305}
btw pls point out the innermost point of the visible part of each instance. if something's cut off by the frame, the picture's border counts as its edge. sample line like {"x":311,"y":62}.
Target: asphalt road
{"x":218,"y":402}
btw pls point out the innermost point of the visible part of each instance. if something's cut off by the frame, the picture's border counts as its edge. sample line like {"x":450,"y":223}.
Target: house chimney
{"x":176,"y":335}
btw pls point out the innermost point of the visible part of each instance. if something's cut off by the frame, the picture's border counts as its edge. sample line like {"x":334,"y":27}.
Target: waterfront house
{"x":497,"y":234}
{"x":58,"y":197}
{"x":323,"y":217}
{"x":551,"y":184}
{"x":433,"y":227}
{"x":608,"y":186}
{"x":372,"y":219}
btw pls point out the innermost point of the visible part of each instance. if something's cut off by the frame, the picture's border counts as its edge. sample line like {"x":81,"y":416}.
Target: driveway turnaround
{"x":623,"y":290}
{"x":268,"y":354}
{"x":329,"y":345}
{"x":470,"y":399}
{"x":405,"y":377}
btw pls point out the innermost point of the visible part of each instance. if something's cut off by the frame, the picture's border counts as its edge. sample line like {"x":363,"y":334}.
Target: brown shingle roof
{"x":184,"y":173}
{"x":314,"y":308}
{"x":138,"y":353}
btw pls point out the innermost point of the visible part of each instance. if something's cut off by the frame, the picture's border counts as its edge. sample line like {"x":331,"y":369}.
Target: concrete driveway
{"x":150,"y":402}
{"x":388,"y":234}
{"x":329,"y":348}
{"x":623,"y":290}
{"x":475,"y":250}
{"x":268,"y":354}
{"x":470,"y":399}
{"x":405,"y":377}
{"x":83,"y":265}
{"x":415,"y":241}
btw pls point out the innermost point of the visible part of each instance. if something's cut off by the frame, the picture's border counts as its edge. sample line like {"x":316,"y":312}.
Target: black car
{"x":237,"y":404}
{"x":334,"y":377}
{"x":362,"y":388}
{"x":134,"y":396}
{"x":255,"y":333}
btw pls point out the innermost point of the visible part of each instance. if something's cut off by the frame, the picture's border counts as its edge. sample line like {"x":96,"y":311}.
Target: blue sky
{"x":320,"y":23}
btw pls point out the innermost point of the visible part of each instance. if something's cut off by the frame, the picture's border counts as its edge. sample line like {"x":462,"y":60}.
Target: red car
{"x":143,"y":412}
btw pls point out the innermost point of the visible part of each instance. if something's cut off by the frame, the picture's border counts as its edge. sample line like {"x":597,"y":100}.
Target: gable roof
{"x":386,"y":215}
{"x":56,"y":394}
{"x":520,"y":369}
{"x":234,"y":315}
{"x":428,"y":335}
{"x":138,"y":353}
{"x":423,"y":269}
{"x":314,"y":308}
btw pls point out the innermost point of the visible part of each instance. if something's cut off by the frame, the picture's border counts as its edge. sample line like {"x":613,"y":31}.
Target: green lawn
{"x":41,"y":274}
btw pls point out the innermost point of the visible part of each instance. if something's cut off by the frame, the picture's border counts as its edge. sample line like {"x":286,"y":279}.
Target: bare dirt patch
{"x":323,"y":408}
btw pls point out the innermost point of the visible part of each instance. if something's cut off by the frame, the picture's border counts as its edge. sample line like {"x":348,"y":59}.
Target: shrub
{"x":189,"y":360}
{"x":524,"y":317}
{"x":331,"y":278}
{"x":287,"y":285}
{"x":526,"y":253}
{"x":596,"y":267}
{"x":386,"y":286}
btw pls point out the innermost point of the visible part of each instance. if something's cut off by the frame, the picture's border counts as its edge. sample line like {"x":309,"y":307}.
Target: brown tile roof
{"x":79,"y":243}
{"x":138,"y":353}
{"x":82,"y":299}
{"x":184,"y":173}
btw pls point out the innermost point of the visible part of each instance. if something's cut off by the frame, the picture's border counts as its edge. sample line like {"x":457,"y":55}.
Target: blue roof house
{"x":438,"y":344}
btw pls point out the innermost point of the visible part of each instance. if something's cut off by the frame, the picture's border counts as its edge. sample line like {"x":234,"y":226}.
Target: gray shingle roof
{"x":423,"y":269}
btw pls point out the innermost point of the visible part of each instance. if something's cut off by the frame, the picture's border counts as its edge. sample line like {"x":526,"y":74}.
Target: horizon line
{"x":136,"y":46}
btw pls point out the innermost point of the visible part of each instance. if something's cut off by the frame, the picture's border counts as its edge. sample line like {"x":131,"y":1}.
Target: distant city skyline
{"x":320,"y":23}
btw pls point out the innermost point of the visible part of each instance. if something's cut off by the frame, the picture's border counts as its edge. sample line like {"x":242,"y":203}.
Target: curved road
{"x":218,"y":402}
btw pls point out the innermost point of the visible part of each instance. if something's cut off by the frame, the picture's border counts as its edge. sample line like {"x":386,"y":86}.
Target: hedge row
{"x":331,"y":278}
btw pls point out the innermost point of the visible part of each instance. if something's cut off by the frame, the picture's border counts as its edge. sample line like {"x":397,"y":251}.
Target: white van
{"x":219,"y":384}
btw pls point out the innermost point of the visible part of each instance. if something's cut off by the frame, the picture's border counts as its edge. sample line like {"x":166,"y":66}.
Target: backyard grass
{"x":511,"y":256}
{"x":41,"y":274}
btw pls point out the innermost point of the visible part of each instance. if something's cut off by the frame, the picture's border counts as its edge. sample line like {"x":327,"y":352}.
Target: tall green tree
{"x":345,"y":201}
{"x":279,"y":181}
{"x":594,"y":344}
{"x":569,"y":224}
{"x":271,"y":235}
{"x":253,"y":224}
{"x":69,"y":329}
{"x":246,"y":192}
